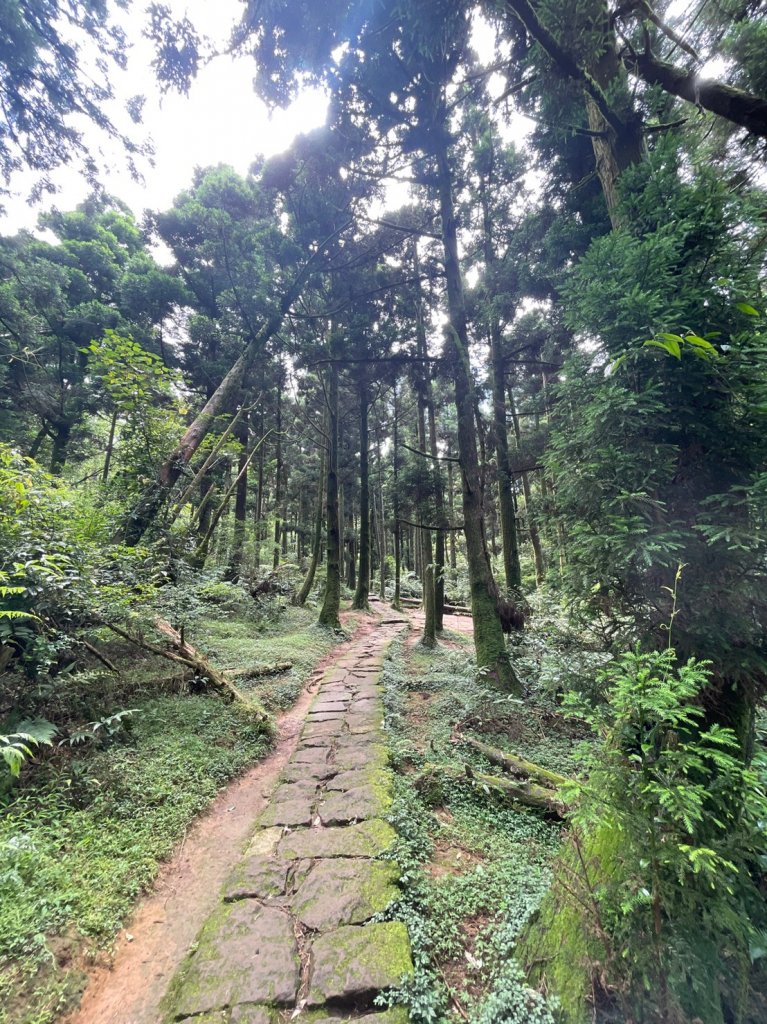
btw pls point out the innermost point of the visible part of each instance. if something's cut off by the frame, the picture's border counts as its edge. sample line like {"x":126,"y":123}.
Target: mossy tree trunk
{"x":332,"y":601}
{"x":361,"y":594}
{"x":489,"y":641}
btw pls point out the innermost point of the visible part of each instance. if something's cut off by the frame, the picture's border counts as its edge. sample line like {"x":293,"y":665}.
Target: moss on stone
{"x":354,"y":961}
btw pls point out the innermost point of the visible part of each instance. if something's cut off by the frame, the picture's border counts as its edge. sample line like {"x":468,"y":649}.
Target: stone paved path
{"x":293,"y":936}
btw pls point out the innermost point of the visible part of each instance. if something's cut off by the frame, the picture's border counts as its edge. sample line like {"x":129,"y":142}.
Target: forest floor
{"x":92,"y":827}
{"x":471,"y":870}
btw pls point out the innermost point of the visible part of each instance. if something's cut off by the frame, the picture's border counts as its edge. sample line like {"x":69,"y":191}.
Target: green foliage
{"x":464,"y":918}
{"x":17,"y":746}
{"x":78,"y":848}
{"x":668,"y":839}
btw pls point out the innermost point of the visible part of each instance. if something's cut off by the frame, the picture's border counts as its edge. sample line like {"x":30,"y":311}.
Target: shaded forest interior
{"x":489,"y":349}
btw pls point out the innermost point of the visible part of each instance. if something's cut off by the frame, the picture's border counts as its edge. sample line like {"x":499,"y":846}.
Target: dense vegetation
{"x":536,"y":392}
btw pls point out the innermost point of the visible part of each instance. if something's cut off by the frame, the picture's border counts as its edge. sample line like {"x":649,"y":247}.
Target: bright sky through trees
{"x":221,"y":121}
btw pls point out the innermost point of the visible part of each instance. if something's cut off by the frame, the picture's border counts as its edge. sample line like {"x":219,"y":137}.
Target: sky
{"x":221,"y":121}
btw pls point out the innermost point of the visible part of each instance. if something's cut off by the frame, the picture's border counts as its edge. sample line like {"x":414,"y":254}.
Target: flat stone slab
{"x":264,"y":842}
{"x":296,"y":771}
{"x":251,"y":1015}
{"x":246,"y":953}
{"x":361,"y":756}
{"x":360,"y":777}
{"x":397,"y":1015}
{"x":326,"y":716}
{"x":338,"y":892}
{"x":326,"y":706}
{"x":207,"y":1018}
{"x":313,"y":729}
{"x":257,"y":877}
{"x":291,"y":813}
{"x":368,"y":839}
{"x":355,"y":962}
{"x":358,"y":804}
{"x":310,"y":755}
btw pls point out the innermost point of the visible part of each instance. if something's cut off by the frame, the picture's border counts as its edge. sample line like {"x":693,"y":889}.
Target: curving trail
{"x":286,"y":927}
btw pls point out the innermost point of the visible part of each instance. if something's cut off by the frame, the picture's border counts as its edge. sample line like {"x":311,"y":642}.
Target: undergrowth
{"x":85,"y":831}
{"x":473,"y":871}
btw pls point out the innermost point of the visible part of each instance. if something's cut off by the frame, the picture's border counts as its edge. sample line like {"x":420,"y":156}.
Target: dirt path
{"x":153,"y":944}
{"x":294,"y":933}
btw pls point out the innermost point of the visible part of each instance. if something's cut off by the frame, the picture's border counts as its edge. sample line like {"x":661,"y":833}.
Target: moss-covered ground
{"x":83,"y":835}
{"x":474,"y":869}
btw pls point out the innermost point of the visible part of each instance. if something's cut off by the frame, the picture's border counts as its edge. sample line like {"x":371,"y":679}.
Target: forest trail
{"x":303,"y":893}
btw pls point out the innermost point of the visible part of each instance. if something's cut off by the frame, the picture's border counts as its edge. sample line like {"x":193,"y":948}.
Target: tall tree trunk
{"x":451,"y":511}
{"x":240,"y":500}
{"x":429,"y":637}
{"x":438,"y":570}
{"x":61,"y":436}
{"x":332,"y":601}
{"x":306,"y":586}
{"x":509,"y":541}
{"x":532,"y":525}
{"x":489,"y":640}
{"x":278,"y":482}
{"x":363,"y":575}
{"x":153,"y":498}
{"x":396,"y":602}
{"x":110,"y":448}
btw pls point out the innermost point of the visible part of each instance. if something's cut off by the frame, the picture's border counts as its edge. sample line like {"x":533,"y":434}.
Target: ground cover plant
{"x":483,"y":343}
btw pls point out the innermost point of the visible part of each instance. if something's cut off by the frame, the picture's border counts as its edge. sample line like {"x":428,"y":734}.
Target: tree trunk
{"x":489,"y":640}
{"x":306,"y":587}
{"x":154,"y":496}
{"x":61,"y":436}
{"x":735,"y":105}
{"x":363,"y":575}
{"x":278,"y":482}
{"x":435,"y":565}
{"x":395,"y":498}
{"x":532,"y":526}
{"x":332,"y":601}
{"x":110,"y":448}
{"x":429,"y":638}
{"x":240,"y":500}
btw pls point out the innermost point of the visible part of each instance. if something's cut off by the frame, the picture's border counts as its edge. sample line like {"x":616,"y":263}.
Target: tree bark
{"x":240,"y":500}
{"x":362,"y":592}
{"x":532,"y":526}
{"x":332,"y":601}
{"x":489,"y":642}
{"x":110,"y":448}
{"x":735,"y":105}
{"x":155,"y":495}
{"x":306,"y":586}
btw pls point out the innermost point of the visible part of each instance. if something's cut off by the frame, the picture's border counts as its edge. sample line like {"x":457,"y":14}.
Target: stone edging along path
{"x":292,"y":937}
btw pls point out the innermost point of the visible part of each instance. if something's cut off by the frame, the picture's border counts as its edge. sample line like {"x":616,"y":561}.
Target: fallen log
{"x":456,"y":609}
{"x":512,"y":762}
{"x":188,"y":656}
{"x":100,"y":656}
{"x":256,"y":671}
{"x":530,"y":794}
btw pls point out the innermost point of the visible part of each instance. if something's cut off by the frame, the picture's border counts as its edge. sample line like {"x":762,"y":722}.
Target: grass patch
{"x":285,"y":634}
{"x":87,"y":829}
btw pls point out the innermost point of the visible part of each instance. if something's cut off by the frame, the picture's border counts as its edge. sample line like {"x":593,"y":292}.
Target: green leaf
{"x":748,"y":310}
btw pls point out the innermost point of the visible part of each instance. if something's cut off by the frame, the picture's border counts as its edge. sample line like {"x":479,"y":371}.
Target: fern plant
{"x":16,"y":747}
